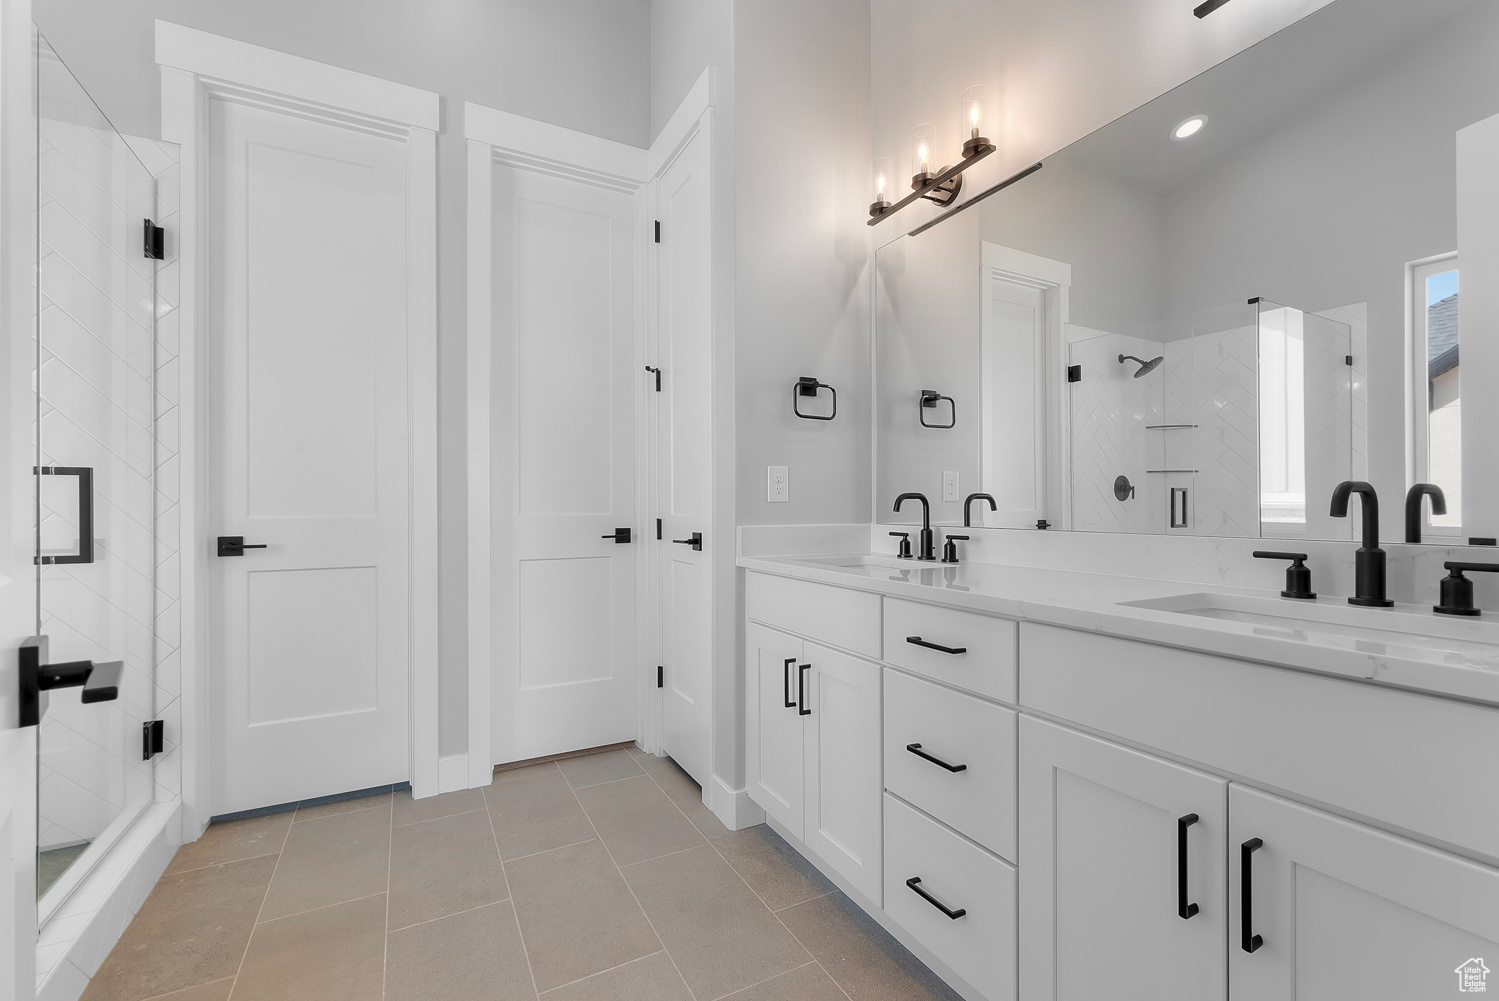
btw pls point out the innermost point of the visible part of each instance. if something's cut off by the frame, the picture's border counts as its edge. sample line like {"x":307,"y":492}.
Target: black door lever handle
{"x":235,"y":545}
{"x":696,"y":542}
{"x":619,"y":535}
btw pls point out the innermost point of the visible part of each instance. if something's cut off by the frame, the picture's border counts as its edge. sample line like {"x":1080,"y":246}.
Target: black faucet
{"x":925,"y":551}
{"x":1413,"y":507}
{"x":968,"y":507}
{"x":1369,"y":561}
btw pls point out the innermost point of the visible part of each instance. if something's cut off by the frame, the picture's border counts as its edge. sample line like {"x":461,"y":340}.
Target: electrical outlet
{"x":950,"y":487}
{"x":778,"y":484}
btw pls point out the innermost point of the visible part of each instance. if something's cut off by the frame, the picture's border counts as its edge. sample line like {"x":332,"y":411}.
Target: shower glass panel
{"x":95,"y":412}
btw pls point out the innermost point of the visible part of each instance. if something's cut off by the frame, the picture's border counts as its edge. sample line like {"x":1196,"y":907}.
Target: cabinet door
{"x":1344,"y":911}
{"x":844,"y":767}
{"x":1105,"y":834}
{"x":774,"y":741}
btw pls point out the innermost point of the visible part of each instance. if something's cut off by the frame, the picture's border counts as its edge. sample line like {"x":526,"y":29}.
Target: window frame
{"x":1417,"y":391}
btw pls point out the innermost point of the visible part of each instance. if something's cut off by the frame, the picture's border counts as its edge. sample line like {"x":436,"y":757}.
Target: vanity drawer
{"x":986,"y":664}
{"x":979,"y":800}
{"x":980,"y":945}
{"x":838,"y":616}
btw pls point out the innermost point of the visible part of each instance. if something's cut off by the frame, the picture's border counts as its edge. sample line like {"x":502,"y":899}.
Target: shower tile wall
{"x":1110,"y":410}
{"x":1211,"y":380}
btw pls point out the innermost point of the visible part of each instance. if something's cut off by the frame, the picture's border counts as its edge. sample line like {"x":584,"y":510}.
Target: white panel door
{"x":845,"y":766}
{"x":684,"y":457}
{"x":1343,"y":911}
{"x":308,"y":346}
{"x":1104,"y":834}
{"x":566,"y":675}
{"x":774,"y":740}
{"x":1013,"y":361}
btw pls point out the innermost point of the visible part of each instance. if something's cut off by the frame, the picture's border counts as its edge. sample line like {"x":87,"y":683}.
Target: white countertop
{"x":1094,"y":602}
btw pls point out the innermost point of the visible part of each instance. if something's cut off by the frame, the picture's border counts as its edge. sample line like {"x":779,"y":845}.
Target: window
{"x":1436,"y":400}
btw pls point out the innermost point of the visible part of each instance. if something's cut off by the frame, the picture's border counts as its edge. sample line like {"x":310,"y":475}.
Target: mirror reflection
{"x":1203,"y":317}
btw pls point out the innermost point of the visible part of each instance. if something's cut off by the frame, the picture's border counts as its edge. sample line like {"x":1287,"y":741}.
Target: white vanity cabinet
{"x":1123,"y":882}
{"x":813,"y":747}
{"x":1321,"y":907}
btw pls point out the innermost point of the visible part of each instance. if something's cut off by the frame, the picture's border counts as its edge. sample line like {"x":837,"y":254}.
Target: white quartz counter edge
{"x":1091,"y":604}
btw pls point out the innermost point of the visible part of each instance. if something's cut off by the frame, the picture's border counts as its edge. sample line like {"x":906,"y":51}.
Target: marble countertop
{"x":1407,"y":646}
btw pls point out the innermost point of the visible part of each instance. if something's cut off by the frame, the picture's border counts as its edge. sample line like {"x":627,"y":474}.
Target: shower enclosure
{"x":98,"y":499}
{"x":1236,"y":421}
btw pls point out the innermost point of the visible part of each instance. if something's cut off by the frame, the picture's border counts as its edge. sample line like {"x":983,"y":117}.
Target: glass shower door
{"x":95,"y":462}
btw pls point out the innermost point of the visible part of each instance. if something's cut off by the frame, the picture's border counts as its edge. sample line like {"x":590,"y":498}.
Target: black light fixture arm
{"x":942,"y":181}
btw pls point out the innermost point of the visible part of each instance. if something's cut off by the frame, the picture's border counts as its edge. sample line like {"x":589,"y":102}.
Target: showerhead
{"x":1146,"y":367}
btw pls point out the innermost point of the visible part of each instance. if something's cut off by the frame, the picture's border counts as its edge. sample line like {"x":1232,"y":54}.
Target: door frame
{"x":498,"y":138}
{"x":197,"y":67}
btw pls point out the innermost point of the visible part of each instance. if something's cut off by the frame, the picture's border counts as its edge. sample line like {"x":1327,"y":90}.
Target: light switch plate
{"x":778,"y":484}
{"x":950,"y":487}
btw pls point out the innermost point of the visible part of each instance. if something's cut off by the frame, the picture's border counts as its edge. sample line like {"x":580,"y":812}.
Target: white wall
{"x":581,"y":64}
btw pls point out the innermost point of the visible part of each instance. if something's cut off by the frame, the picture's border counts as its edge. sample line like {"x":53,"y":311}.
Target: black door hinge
{"x":658,"y":230}
{"x":155,"y":241}
{"x":1074,"y":373}
{"x":649,"y":368}
{"x":660,"y":675}
{"x":658,"y":529}
{"x":153,"y":740}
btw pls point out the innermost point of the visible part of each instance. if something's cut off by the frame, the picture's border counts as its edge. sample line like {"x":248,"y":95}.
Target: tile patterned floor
{"x":596,"y":878}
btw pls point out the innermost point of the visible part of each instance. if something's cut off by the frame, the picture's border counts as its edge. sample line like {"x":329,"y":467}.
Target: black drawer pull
{"x":786,"y":682}
{"x":1250,"y":941}
{"x":1184,"y":910}
{"x":801,"y":690}
{"x":916,"y":750}
{"x":915,"y":883}
{"x":918,"y":641}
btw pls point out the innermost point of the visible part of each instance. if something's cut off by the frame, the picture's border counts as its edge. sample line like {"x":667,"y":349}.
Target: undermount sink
{"x":1333,"y":622}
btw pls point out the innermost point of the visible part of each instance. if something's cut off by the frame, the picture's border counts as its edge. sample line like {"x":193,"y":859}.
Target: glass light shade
{"x":924,"y":164}
{"x":881,"y":182}
{"x":973,"y":119}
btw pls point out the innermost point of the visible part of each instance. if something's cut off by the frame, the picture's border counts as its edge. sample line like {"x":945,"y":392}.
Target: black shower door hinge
{"x":1348,"y":360}
{"x":660,"y":675}
{"x":658,"y":230}
{"x":155,"y":241}
{"x":1074,"y":373}
{"x":153,"y":739}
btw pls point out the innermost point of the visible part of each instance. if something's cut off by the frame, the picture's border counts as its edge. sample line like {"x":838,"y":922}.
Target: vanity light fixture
{"x":879,"y":177}
{"x":1189,"y":127}
{"x":940,"y":185}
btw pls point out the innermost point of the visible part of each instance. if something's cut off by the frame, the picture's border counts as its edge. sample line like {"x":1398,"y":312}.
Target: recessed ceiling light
{"x":1189,"y":128}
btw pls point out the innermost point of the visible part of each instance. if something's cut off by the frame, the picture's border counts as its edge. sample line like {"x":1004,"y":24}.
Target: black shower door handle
{"x":85,"y":476}
{"x":1184,"y":910}
{"x":915,"y":883}
{"x":1249,"y":941}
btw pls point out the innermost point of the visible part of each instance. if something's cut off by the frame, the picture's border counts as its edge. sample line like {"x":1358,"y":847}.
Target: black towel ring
{"x":808,"y":386}
{"x":931,"y":398}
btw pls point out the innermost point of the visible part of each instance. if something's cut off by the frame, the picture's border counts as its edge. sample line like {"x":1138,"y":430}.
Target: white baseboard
{"x":733,"y":806}
{"x":452,"y":773}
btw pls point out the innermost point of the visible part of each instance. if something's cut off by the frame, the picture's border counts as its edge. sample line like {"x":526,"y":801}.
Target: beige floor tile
{"x":331,"y":860}
{"x":231,"y":842}
{"x":718,"y":932}
{"x":216,"y":991}
{"x":860,"y":955}
{"x":191,"y":930}
{"x":332,"y":954}
{"x":333,"y":809}
{"x":636,"y":820}
{"x":474,"y":956}
{"x":772,"y":868}
{"x":805,"y":983}
{"x":654,"y":978}
{"x":606,"y":766}
{"x":415,"y":811}
{"x":535,"y":810}
{"x":576,"y":914}
{"x":442,"y":867}
{"x":673,"y":781}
